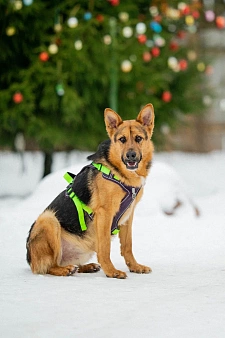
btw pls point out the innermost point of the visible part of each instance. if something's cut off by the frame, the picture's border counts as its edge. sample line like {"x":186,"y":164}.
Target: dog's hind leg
{"x":44,"y":246}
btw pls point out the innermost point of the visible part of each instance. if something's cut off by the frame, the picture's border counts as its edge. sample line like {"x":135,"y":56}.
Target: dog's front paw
{"x":138,"y":268}
{"x":116,"y":274}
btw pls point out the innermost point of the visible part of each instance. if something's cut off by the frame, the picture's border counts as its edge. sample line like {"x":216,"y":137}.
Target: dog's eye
{"x":122,"y":139}
{"x":138,"y":139}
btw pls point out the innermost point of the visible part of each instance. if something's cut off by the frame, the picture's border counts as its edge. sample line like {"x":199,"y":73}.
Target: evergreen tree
{"x":63,"y":62}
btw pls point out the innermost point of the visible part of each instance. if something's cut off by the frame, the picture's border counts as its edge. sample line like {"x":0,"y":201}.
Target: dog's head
{"x":130,"y":139}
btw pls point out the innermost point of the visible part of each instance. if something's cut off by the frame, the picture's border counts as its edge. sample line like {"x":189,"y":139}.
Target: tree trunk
{"x":48,"y":159}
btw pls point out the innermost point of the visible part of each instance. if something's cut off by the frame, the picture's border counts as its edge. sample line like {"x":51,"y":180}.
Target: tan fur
{"x":53,"y":250}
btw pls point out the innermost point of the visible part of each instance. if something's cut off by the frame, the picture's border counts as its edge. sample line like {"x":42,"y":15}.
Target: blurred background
{"x":64,"y":62}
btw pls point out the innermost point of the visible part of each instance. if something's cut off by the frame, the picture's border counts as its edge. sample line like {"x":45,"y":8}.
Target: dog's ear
{"x":146,"y":117}
{"x":112,"y":121}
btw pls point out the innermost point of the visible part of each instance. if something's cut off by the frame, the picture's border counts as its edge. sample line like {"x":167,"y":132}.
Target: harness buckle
{"x":133,"y":193}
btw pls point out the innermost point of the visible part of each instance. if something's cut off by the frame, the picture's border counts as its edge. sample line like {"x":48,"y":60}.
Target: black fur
{"x":102,"y":151}
{"x":28,"y":251}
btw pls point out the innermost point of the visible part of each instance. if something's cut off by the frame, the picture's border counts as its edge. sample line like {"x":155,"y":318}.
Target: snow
{"x":182,"y":297}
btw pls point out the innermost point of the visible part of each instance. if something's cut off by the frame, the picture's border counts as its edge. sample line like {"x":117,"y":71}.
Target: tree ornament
{"x":100,"y":18}
{"x":142,"y":38}
{"x":209,"y":15}
{"x":127,"y":32}
{"x":149,"y":43}
{"x":114,"y":2}
{"x":209,"y":70}
{"x":17,"y":97}
{"x":153,"y":10}
{"x":172,"y":62}
{"x":159,"y":41}
{"x":107,"y":39}
{"x":172,"y":28}
{"x":185,"y":10}
{"x":173,"y":46}
{"x":166,"y":96}
{"x":53,"y":48}
{"x":27,"y":2}
{"x":141,"y":28}
{"x":18,"y":5}
{"x":156,"y":27}
{"x":173,"y":13}
{"x":59,"y":89}
{"x":58,"y":27}
{"x":181,"y":34}
{"x":155,"y":51}
{"x":146,"y":56}
{"x":133,"y":58}
{"x":192,"y":29}
{"x":201,"y":67}
{"x":43,"y":56}
{"x":78,"y":45}
{"x":87,"y":16}
{"x":123,"y":16}
{"x":10,"y":31}
{"x":183,"y":64}
{"x":72,"y":22}
{"x":192,"y":55}
{"x":220,"y":22}
{"x":189,"y":20}
{"x":183,"y":7}
{"x":126,"y":66}
{"x":196,"y":14}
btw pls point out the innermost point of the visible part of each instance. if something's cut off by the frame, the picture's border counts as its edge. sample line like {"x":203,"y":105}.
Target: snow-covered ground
{"x":184,"y":296}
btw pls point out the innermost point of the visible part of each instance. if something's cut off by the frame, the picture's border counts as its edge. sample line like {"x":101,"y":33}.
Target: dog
{"x":98,"y":203}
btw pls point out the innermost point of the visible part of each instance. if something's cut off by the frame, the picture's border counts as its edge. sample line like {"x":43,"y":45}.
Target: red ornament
{"x":220,"y":22}
{"x":43,"y":56}
{"x":185,"y":10}
{"x":158,"y":18}
{"x":155,"y":52}
{"x":196,"y":14}
{"x":209,"y":70}
{"x":146,"y":56}
{"x":181,"y":34}
{"x":99,"y":17}
{"x":174,"y":46}
{"x":17,"y":97}
{"x":114,"y":2}
{"x":142,"y":38}
{"x":166,"y":96}
{"x":183,"y":64}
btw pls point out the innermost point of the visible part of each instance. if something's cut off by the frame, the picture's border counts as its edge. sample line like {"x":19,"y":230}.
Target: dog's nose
{"x":131,"y":155}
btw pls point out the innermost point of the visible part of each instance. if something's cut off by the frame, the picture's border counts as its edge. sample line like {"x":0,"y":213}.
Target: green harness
{"x":81,"y":207}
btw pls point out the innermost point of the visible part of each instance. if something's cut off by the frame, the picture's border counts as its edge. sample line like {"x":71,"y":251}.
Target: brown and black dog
{"x":110,"y":187}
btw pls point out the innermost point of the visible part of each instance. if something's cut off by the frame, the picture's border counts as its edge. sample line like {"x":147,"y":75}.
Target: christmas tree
{"x":64,"y":62}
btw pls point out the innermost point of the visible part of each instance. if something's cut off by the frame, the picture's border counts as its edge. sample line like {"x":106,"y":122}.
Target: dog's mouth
{"x":131,"y":165}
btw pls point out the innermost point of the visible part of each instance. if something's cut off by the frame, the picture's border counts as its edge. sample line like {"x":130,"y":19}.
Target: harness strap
{"x":104,"y":169}
{"x":81,"y":207}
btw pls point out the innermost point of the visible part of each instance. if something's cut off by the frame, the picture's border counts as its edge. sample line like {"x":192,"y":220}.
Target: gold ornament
{"x":126,"y":66}
{"x":10,"y":31}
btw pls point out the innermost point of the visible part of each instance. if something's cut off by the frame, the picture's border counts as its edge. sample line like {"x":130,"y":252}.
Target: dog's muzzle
{"x":131,"y":160}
